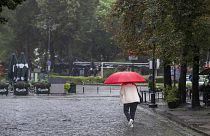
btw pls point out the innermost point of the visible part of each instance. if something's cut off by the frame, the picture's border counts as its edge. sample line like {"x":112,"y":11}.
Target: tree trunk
{"x":195,"y":90}
{"x":182,"y":79}
{"x":52,"y":57}
{"x":167,"y":74}
{"x":70,"y":56}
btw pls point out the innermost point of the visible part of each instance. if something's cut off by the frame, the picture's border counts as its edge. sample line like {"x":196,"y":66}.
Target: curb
{"x":181,"y":122}
{"x":175,"y":119}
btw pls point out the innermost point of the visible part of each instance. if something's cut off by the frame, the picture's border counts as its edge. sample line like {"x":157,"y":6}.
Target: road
{"x":79,"y":115}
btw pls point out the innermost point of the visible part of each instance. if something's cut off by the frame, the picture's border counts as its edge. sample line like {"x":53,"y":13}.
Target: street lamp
{"x":153,"y":104}
{"x":49,"y":27}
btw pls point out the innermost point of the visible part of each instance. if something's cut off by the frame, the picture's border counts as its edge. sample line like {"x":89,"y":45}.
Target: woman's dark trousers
{"x":130,"y":110}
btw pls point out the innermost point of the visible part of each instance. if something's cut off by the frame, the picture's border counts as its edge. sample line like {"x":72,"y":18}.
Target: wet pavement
{"x":80,"y":115}
{"x":197,"y":119}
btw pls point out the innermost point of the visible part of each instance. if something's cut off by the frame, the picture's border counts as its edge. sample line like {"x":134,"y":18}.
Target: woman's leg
{"x":133,"y":109}
{"x":126,"y":108}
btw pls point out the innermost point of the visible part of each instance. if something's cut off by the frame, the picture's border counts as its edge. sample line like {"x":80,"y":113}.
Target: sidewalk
{"x":198,"y":120}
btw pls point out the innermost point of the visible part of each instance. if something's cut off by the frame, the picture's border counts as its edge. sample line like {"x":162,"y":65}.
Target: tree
{"x":174,"y":26}
{"x":10,"y":4}
{"x":188,"y":17}
{"x":26,"y":34}
{"x":6,"y":35}
{"x":136,"y":23}
{"x":70,"y":29}
{"x":6,"y":42}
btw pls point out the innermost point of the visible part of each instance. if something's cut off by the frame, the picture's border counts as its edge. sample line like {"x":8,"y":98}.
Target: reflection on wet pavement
{"x":79,"y":116}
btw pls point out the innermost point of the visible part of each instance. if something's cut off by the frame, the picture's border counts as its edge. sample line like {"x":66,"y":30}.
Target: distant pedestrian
{"x":130,"y":98}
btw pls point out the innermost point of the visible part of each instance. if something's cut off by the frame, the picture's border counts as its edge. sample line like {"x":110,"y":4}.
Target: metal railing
{"x":114,"y":90}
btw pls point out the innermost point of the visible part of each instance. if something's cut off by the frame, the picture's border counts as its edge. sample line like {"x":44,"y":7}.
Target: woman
{"x":130,"y":98}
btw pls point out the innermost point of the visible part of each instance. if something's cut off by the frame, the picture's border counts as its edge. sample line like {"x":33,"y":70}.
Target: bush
{"x":81,"y":79}
{"x":96,"y":80}
{"x":42,"y":84}
{"x":158,"y":79}
{"x":66,"y":87}
{"x":159,"y":88}
{"x":171,"y":94}
{"x":21,"y":84}
{"x":3,"y":85}
{"x":108,"y":72}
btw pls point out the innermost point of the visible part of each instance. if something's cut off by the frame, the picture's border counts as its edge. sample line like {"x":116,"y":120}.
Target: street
{"x":79,"y":115}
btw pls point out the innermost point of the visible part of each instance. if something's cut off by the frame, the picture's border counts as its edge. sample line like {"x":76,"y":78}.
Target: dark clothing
{"x":130,"y":110}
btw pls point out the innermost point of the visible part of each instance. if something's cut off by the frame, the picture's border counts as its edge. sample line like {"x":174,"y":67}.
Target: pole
{"x":174,"y":75}
{"x":49,"y":36}
{"x":132,"y":66}
{"x":102,"y":69}
{"x":153,"y":69}
{"x":153,"y":104}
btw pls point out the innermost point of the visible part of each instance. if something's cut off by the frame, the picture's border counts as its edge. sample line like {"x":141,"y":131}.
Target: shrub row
{"x":81,"y":79}
{"x":93,"y":80}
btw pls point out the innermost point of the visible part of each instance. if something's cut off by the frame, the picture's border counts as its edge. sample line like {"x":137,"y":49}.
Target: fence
{"x":114,"y":90}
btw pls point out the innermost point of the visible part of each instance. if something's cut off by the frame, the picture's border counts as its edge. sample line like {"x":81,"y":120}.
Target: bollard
{"x":145,"y":98}
{"x":153,"y":104}
{"x":153,"y":98}
{"x":83,"y":87}
{"x":97,"y":89}
{"x":110,"y":89}
{"x":142,"y":95}
{"x":149,"y":96}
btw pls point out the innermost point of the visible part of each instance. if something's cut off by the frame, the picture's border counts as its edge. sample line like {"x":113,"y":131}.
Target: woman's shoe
{"x":130,"y":123}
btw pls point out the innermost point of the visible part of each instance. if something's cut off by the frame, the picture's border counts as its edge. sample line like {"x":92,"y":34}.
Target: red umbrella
{"x":124,"y":77}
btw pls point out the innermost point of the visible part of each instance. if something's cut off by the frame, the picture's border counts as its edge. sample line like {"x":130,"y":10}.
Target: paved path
{"x":196,"y":119}
{"x":79,"y":115}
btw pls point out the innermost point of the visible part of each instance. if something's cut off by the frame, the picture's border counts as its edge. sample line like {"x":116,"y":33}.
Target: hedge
{"x":81,"y":79}
{"x":94,"y":80}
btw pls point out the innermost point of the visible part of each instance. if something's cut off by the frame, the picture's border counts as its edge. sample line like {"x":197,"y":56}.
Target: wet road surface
{"x":79,"y":115}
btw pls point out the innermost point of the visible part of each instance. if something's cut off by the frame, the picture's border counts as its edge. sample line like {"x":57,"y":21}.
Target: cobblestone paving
{"x":79,"y":115}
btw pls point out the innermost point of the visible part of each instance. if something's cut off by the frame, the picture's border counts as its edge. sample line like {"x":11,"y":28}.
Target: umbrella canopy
{"x":12,"y":69}
{"x":205,"y":72}
{"x":124,"y":77}
{"x":22,"y":68}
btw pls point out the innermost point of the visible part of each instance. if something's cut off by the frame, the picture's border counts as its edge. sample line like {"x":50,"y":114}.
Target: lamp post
{"x":153,"y":104}
{"x":48,"y":50}
{"x":49,"y":27}
{"x":49,"y":36}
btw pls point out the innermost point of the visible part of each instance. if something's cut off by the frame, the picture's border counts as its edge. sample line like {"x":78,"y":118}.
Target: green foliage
{"x":159,"y":87}
{"x":3,"y":85}
{"x":21,"y":84}
{"x":173,"y":27}
{"x":42,"y":84}
{"x":171,"y":94}
{"x":80,"y":79}
{"x":67,"y":86}
{"x":6,"y":42}
{"x":189,"y":85}
{"x":10,"y":4}
{"x":103,"y":9}
{"x":108,"y":72}
{"x":158,"y":79}
{"x":74,"y":27}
